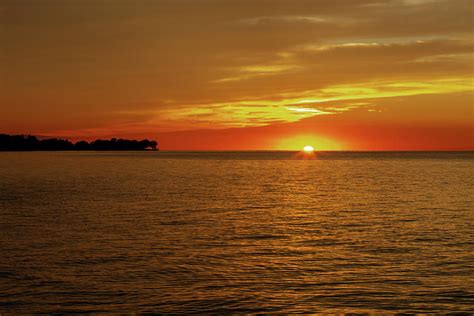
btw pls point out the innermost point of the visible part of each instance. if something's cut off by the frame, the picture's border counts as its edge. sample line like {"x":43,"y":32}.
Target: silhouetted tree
{"x":22,"y":142}
{"x":55,"y":144}
{"x":82,"y":145}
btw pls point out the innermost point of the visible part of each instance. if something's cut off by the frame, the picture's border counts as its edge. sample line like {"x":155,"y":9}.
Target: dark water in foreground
{"x":236,"y":232}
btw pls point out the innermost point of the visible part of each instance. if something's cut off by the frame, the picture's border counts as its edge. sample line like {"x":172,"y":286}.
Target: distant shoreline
{"x":242,"y":151}
{"x":19,"y":143}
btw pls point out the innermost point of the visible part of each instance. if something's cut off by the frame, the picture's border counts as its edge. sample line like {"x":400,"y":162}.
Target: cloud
{"x":296,"y":106}
{"x":252,"y":71}
{"x":255,"y":21}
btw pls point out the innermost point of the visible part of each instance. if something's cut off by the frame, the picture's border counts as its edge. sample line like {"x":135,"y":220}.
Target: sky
{"x":241,"y":74}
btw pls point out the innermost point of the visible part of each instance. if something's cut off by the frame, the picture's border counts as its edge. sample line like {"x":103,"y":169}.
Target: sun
{"x":308,"y":149}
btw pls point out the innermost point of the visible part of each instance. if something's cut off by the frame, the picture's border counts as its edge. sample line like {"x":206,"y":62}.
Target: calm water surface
{"x":236,"y":232}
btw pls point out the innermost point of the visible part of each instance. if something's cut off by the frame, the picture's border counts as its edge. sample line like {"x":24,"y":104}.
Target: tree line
{"x":32,"y":143}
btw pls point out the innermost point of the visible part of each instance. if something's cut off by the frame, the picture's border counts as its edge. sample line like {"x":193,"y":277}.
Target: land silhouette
{"x":32,"y":143}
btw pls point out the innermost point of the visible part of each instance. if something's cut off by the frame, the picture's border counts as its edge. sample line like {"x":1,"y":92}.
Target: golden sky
{"x":241,"y":74}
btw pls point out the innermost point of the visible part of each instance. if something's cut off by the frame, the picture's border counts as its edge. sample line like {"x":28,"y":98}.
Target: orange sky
{"x":246,"y":74}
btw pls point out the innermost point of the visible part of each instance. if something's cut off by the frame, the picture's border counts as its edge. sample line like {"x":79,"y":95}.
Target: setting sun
{"x":308,"y":149}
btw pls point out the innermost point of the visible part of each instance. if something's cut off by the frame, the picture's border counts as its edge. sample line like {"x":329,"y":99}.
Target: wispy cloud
{"x":295,"y":106}
{"x":252,"y":71}
{"x":289,"y":19}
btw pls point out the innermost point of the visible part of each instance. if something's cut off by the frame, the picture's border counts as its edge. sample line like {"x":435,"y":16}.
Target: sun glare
{"x":297,"y":142}
{"x":308,"y":149}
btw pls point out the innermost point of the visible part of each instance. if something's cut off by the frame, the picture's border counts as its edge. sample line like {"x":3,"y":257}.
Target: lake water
{"x":243,"y":232}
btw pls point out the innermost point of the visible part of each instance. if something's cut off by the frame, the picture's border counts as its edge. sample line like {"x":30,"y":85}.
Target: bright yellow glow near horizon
{"x":301,"y":141}
{"x":308,"y":149}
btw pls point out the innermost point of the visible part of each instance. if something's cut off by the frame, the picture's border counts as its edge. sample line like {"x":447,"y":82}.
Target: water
{"x":244,"y":232}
